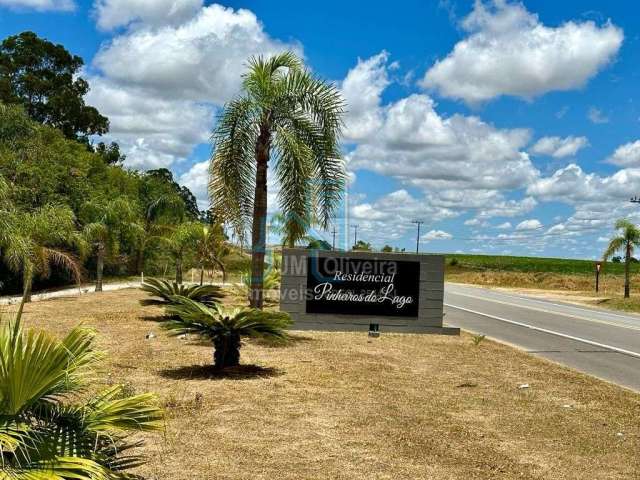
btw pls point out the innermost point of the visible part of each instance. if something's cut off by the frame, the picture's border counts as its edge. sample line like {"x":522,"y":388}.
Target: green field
{"x":530,"y":264}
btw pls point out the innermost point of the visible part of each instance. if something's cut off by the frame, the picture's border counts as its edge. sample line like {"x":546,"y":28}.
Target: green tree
{"x":387,"y":249}
{"x":34,"y":241}
{"x":49,"y":427}
{"x":180,"y":241}
{"x":288,"y":115}
{"x":210,"y":249}
{"x":106,"y":222}
{"x":43,"y":77}
{"x":224,"y":327}
{"x":627,"y":239}
{"x":362,"y":246}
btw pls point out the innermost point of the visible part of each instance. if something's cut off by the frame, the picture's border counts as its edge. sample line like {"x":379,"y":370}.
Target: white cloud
{"x":40,"y":5}
{"x":508,"y":51}
{"x":197,"y":180}
{"x":532,"y":224}
{"x":505,"y":226}
{"x":595,"y":115}
{"x":201,"y":59}
{"x":361,"y":90}
{"x":627,"y":155}
{"x":559,"y":147}
{"x":161,"y":80}
{"x":111,"y":14}
{"x":436,"y":235}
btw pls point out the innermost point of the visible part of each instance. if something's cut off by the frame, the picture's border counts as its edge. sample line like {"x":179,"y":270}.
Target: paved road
{"x":600,"y":343}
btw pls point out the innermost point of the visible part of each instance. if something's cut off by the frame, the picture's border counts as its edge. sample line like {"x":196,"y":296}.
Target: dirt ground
{"x":344,"y":406}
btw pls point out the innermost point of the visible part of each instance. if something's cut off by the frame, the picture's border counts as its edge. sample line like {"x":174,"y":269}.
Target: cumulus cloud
{"x":557,"y":147}
{"x":627,"y":155}
{"x":39,"y":5}
{"x":110,"y":14}
{"x":200,"y":59}
{"x":508,"y":51}
{"x":196,"y":179}
{"x":436,"y":235}
{"x":532,"y":224}
{"x":505,"y":226}
{"x":161,"y":80}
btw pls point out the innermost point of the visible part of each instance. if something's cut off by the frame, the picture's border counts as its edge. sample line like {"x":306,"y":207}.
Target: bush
{"x":453,"y":262}
{"x":163,"y":292}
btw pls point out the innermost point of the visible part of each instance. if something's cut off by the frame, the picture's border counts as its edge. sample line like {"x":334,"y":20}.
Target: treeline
{"x":66,"y":208}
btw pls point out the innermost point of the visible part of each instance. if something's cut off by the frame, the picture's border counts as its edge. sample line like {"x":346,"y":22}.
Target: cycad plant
{"x":627,"y":240}
{"x":46,"y":432}
{"x":34,"y":240}
{"x":164,"y":292}
{"x":106,"y":223}
{"x":287,"y":115}
{"x":225,"y":327}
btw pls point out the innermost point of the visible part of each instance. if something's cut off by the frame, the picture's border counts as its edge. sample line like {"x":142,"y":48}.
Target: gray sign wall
{"x":299,"y":300}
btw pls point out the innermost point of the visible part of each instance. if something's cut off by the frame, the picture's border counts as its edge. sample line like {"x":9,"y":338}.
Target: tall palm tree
{"x":627,"y":240}
{"x":49,"y":427}
{"x":106,"y":222}
{"x":287,"y":115}
{"x":33,"y":243}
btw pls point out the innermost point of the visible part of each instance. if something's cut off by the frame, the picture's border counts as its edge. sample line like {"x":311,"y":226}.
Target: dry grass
{"x":343,"y":406}
{"x":570,"y":287}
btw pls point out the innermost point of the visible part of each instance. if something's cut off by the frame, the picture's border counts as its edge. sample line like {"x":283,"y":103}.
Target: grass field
{"x":343,"y":406}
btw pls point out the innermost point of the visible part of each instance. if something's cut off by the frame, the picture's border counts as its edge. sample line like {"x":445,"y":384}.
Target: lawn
{"x":344,"y":406}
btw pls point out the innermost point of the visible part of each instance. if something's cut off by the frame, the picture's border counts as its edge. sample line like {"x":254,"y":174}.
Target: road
{"x":600,"y":343}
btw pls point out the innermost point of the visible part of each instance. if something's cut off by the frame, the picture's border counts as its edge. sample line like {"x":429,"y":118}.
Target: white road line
{"x":545,"y":302}
{"x":550,"y":332}
{"x":562,"y":314}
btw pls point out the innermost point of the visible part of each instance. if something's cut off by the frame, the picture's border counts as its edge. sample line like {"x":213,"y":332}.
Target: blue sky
{"x":506,"y":127}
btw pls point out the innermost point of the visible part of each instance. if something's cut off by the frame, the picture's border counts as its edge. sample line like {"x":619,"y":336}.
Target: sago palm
{"x":106,"y":223}
{"x":34,"y":242}
{"x":627,"y":240}
{"x":292,"y":119}
{"x":46,"y":431}
{"x":163,"y":292}
{"x":225,"y":327}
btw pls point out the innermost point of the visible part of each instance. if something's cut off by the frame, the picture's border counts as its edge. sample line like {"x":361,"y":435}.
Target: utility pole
{"x":418,"y":222}
{"x":355,"y":235}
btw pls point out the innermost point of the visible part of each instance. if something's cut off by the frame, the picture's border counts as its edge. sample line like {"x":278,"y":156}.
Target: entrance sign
{"x":358,"y":286}
{"x":330,"y":290}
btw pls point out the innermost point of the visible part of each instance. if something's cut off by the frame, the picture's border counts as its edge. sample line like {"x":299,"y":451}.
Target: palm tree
{"x":225,"y":327}
{"x":627,"y":239}
{"x":46,"y":431}
{"x":107,"y":221}
{"x":32,"y":243}
{"x":180,"y":241}
{"x":288,"y":115}
{"x":210,"y":249}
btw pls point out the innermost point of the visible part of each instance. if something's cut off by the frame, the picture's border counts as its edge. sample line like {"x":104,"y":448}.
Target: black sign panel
{"x":357,"y":286}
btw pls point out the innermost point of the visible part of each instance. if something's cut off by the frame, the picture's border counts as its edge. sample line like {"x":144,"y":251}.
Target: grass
{"x":343,"y":406}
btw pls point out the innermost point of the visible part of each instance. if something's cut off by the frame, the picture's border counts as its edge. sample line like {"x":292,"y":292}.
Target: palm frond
{"x":164,"y":291}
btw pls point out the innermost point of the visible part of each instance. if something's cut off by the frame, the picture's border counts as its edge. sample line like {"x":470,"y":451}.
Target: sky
{"x":506,"y":127}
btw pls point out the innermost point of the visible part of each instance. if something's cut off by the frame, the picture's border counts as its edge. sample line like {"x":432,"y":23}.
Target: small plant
{"x":477,"y":339}
{"x":46,"y":430}
{"x":453,"y":262}
{"x":225,"y":327}
{"x":163,"y":292}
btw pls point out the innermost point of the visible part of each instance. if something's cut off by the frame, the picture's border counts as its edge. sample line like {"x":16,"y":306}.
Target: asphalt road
{"x":600,"y":343}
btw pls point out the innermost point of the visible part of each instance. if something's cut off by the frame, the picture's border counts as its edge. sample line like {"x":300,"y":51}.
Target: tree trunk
{"x":627,"y":261}
{"x":259,"y":227}
{"x":226,"y":351}
{"x":201,"y":275}
{"x":27,"y":283}
{"x":140,"y":260}
{"x":178,"y":270}
{"x":99,"y":268}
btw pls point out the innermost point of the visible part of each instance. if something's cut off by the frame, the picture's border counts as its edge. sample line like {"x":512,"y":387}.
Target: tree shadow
{"x":208,"y":372}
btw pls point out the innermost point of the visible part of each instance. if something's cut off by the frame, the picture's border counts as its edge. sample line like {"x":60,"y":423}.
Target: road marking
{"x":550,"y":332}
{"x":562,"y":314}
{"x":525,"y":297}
